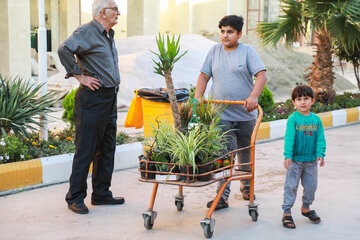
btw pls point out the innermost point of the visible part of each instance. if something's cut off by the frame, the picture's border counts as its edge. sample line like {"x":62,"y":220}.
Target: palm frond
{"x":289,"y":26}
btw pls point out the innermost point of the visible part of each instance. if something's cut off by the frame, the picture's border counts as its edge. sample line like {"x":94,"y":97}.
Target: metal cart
{"x":228,"y":173}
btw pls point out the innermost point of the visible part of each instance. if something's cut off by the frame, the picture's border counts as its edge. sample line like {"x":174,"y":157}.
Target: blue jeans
{"x":239,"y":137}
{"x":307,"y":172}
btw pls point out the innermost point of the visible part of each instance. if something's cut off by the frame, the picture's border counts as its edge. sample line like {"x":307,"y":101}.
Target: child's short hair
{"x":302,"y":90}
{"x":234,"y":21}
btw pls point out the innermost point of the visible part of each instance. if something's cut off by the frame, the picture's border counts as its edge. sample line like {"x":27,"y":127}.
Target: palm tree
{"x":168,"y":57}
{"x":333,"y":21}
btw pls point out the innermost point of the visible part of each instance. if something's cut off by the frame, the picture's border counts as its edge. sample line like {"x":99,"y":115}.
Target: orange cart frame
{"x":232,"y":174}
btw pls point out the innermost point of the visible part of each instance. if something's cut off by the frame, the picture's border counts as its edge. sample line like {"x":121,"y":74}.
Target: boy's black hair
{"x":233,"y":21}
{"x":302,"y":90}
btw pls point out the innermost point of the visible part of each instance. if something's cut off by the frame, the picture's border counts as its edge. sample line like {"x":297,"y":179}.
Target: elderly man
{"x":96,"y":69}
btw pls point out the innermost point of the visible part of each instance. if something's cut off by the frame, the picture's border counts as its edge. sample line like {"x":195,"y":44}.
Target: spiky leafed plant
{"x":21,"y":105}
{"x":168,"y":56}
{"x":332,"y":21}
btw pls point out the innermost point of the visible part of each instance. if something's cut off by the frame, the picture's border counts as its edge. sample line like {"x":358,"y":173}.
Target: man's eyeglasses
{"x":113,"y":8}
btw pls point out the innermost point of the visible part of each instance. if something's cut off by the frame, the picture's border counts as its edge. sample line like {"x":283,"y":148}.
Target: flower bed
{"x":13,"y":149}
{"x":283,"y":110}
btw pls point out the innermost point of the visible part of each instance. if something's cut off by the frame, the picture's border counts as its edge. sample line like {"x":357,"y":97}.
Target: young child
{"x":231,"y":66}
{"x":304,"y":146}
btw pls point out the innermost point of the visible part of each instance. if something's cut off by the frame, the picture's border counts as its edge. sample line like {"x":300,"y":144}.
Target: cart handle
{"x":258,"y":121}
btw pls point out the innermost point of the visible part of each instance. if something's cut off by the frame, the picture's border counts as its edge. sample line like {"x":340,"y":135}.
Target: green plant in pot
{"x":208,"y":115}
{"x":185,"y":147}
{"x":158,"y":148}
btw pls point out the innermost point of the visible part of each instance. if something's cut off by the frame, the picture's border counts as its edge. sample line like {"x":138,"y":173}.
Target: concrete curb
{"x":276,"y":129}
{"x":57,"y":169}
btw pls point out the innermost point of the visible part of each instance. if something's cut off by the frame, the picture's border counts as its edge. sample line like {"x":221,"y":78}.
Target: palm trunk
{"x":357,"y":75}
{"x":173,"y":101}
{"x":321,"y":77}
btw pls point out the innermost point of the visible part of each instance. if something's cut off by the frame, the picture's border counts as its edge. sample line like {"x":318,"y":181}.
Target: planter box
{"x":221,"y":174}
{"x":165,"y":177}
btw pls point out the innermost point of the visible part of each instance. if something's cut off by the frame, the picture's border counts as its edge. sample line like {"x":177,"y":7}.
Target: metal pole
{"x":42,"y":48}
{"x":229,"y":7}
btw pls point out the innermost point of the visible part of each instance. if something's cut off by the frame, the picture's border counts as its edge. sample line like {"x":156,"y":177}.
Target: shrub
{"x":266,"y":100}
{"x":68,"y":105}
{"x":12,"y":150}
{"x":21,"y":105}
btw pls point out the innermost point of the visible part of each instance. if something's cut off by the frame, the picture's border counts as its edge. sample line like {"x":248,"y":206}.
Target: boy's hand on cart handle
{"x":321,"y":161}
{"x":251,"y":103}
{"x":287,"y":163}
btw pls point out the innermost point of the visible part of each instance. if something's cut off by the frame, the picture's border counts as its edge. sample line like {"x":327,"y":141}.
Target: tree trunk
{"x":321,"y":77}
{"x":173,"y":101}
{"x":356,"y":71}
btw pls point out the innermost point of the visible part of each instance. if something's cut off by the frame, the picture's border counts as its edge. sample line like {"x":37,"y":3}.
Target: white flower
{"x":1,"y":158}
{"x":7,"y":157}
{"x":22,"y":156}
{"x":2,"y":143}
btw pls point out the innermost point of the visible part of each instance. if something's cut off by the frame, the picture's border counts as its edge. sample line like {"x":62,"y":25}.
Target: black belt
{"x":103,"y":89}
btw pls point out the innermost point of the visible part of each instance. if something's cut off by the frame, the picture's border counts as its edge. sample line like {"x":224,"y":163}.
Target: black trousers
{"x":95,"y":141}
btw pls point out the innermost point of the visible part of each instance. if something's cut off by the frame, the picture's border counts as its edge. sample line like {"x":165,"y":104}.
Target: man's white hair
{"x":98,"y":5}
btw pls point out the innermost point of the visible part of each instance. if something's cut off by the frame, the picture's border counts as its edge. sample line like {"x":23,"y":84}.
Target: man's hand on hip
{"x":88,"y":81}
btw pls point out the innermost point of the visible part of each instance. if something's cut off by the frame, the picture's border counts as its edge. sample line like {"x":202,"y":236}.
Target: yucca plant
{"x":333,"y":22}
{"x":21,"y":105}
{"x":168,"y":56}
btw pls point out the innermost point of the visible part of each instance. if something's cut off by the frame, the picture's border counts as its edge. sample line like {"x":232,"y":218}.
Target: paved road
{"x":42,"y":213}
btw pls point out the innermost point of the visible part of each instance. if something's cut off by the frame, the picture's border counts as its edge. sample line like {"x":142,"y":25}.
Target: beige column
{"x":15,"y":38}
{"x":167,"y":17}
{"x":69,"y":17}
{"x":55,"y":25}
{"x":183,"y":18}
{"x":142,"y":17}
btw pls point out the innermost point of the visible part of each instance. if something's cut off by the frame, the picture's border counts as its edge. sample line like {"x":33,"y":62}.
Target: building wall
{"x":34,"y":17}
{"x":4,"y":38}
{"x":15,"y":38}
{"x":202,"y":17}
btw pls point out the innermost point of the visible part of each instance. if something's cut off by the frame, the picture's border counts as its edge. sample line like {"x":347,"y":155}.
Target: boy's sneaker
{"x":246,"y":193}
{"x":221,"y":204}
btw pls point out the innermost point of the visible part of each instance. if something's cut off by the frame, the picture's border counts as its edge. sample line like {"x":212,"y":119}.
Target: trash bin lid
{"x":161,"y":94}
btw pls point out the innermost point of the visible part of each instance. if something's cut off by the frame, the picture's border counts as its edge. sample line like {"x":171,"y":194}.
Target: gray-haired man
{"x":96,"y":69}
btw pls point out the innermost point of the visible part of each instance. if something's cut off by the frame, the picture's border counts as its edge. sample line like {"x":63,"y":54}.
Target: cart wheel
{"x":179,"y":205}
{"x":207,"y":232}
{"x":208,"y":227}
{"x":147,"y":222}
{"x":254,"y":215}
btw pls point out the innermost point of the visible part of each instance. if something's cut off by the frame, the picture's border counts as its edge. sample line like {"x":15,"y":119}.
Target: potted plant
{"x":184,"y":149}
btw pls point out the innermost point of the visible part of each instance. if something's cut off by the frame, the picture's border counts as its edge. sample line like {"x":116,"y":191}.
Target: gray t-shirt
{"x":232,"y":77}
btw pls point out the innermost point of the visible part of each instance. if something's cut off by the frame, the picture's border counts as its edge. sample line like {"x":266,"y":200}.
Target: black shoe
{"x":221,"y":204}
{"x":108,"y":201}
{"x":79,"y":208}
{"x":246,"y":193}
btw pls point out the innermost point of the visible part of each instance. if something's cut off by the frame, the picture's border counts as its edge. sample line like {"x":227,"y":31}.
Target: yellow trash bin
{"x":156,"y":110}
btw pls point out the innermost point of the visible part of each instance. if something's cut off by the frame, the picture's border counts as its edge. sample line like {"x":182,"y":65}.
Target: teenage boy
{"x":305,"y":145}
{"x":232,"y":65}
